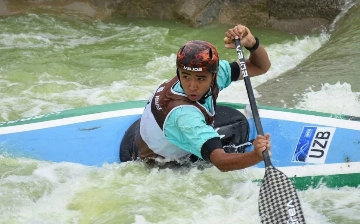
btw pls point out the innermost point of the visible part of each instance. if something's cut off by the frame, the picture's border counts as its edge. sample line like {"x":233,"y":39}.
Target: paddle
{"x":278,"y":200}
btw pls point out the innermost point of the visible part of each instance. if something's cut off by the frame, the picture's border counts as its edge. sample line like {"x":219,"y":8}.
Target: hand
{"x":239,"y":32}
{"x":262,"y":143}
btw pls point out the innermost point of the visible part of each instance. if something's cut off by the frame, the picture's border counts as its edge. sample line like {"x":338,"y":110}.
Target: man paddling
{"x":179,"y":120}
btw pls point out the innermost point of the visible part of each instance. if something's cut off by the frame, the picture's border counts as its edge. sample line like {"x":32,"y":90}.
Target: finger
{"x":246,"y":31}
{"x":231,"y":34}
{"x":262,"y":145}
{"x":230,"y":46}
{"x":228,"y":40}
{"x":241,"y":30}
{"x":237,"y":30}
{"x":260,"y":137}
{"x":227,"y":34}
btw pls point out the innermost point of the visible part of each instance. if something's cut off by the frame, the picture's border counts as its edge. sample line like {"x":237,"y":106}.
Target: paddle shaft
{"x":251,"y":97}
{"x":278,"y":200}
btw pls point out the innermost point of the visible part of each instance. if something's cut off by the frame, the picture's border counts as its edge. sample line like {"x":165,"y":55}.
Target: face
{"x":195,"y":84}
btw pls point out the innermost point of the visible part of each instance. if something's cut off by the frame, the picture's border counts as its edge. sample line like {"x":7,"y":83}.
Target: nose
{"x":193,"y":85}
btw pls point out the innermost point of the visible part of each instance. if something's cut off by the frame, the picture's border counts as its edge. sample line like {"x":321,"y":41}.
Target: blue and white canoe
{"x":311,"y":148}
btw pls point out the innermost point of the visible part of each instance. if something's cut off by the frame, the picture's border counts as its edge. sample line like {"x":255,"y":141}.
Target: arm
{"x":258,"y":63}
{"x":203,"y":141}
{"x":235,"y":161}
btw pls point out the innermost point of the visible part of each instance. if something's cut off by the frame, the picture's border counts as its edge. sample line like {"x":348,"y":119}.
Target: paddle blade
{"x":278,"y":200}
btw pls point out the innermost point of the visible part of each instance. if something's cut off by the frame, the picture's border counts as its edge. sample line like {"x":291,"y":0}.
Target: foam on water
{"x":85,"y":66}
{"x":41,"y":192}
{"x":56,"y":65}
{"x":296,"y":51}
{"x":336,"y":99}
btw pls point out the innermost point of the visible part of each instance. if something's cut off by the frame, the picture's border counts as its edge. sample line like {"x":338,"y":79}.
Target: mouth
{"x":193,"y":97}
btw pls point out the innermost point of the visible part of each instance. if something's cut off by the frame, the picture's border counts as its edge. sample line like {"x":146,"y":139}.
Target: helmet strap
{"x":205,"y":96}
{"x":210,"y":91}
{"x":178,"y":75}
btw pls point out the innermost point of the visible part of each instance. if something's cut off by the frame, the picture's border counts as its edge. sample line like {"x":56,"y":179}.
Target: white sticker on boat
{"x":313,"y":144}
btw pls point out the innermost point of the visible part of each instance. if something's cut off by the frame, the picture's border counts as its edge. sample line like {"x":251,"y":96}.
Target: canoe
{"x":311,"y":148}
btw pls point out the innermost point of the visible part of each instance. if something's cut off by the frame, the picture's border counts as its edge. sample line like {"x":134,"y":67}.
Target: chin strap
{"x":205,"y":96}
{"x":209,"y":93}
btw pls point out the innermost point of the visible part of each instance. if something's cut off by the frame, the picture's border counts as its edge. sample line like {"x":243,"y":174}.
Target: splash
{"x":335,"y":99}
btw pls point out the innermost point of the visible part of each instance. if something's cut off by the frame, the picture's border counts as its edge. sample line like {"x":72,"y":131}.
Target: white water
{"x":40,"y":192}
{"x":91,"y":64}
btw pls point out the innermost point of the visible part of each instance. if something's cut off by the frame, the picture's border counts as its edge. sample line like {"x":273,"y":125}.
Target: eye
{"x":202,"y":77}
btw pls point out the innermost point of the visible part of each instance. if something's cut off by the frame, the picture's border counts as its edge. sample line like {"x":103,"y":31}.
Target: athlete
{"x":179,"y":120}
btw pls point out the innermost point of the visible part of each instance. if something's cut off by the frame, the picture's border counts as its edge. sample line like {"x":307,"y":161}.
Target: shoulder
{"x":184,"y":118}
{"x":224,"y":64}
{"x":185,"y":115}
{"x":188,"y":122}
{"x":224,"y":74}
